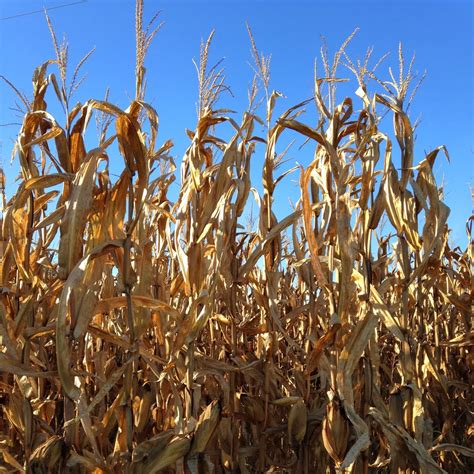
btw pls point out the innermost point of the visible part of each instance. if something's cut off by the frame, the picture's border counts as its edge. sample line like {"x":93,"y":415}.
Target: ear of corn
{"x":138,"y":334}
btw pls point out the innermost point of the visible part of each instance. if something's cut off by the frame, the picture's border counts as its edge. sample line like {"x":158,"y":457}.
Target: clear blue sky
{"x":440,"y":32}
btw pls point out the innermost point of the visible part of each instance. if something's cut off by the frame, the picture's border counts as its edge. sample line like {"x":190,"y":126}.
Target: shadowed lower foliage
{"x":142,"y":335}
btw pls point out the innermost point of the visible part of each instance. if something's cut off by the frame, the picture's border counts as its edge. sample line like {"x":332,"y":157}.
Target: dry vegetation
{"x":142,"y":335}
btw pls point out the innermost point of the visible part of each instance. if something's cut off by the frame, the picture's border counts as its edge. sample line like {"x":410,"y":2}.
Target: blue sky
{"x":440,"y":32}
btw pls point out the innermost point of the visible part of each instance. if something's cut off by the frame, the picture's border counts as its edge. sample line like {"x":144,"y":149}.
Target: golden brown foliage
{"x":142,"y":335}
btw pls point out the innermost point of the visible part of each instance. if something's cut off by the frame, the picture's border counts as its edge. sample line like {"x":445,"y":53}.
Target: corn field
{"x":142,"y":334}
